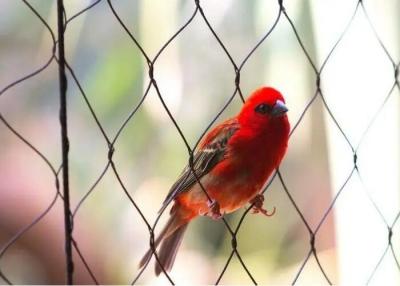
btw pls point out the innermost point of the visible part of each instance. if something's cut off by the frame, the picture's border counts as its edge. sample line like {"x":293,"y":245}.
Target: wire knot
{"x":191,"y":160}
{"x":390,"y":234}
{"x":237,"y":78}
{"x":110,"y":152}
{"x":318,"y":81}
{"x":151,"y":70}
{"x":312,"y":241}
{"x":355,"y":159}
{"x":396,"y":72}
{"x":152,"y":246}
{"x":234,"y":242}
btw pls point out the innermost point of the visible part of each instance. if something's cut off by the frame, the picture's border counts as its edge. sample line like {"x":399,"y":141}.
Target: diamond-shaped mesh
{"x":198,"y":15}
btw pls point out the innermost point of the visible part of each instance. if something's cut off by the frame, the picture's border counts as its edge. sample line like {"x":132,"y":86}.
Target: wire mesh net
{"x":197,"y":17}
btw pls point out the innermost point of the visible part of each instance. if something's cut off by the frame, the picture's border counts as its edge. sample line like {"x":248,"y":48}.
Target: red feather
{"x":234,"y":161}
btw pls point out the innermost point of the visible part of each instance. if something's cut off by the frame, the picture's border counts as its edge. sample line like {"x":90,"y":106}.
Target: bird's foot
{"x":214,"y":212}
{"x":257,"y":203}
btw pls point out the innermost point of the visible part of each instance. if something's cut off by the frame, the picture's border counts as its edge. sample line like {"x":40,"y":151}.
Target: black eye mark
{"x":263,"y":108}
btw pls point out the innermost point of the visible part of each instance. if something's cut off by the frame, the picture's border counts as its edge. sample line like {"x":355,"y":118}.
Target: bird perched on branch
{"x":232,"y":164}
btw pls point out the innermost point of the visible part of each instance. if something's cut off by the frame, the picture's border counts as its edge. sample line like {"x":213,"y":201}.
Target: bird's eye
{"x":263,"y":108}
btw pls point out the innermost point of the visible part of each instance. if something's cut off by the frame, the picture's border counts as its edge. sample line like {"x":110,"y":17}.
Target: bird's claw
{"x":214,"y":212}
{"x":257,"y":203}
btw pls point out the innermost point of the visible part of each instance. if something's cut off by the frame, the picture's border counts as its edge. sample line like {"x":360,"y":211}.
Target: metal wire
{"x":110,"y":141}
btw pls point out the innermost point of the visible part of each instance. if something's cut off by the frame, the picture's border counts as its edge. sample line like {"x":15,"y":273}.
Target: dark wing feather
{"x":204,"y":160}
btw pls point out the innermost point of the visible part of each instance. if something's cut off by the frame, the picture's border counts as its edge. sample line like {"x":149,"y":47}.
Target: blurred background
{"x":196,"y":79}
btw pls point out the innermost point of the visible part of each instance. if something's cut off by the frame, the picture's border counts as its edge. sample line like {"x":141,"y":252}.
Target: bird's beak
{"x":279,"y":109}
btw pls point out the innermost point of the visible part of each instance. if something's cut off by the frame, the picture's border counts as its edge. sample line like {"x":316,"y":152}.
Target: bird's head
{"x":265,"y":108}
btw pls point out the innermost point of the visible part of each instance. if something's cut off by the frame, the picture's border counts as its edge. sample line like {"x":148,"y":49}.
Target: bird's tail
{"x":170,"y":238}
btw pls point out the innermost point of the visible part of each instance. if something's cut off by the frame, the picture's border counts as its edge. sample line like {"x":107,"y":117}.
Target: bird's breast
{"x":239,"y":177}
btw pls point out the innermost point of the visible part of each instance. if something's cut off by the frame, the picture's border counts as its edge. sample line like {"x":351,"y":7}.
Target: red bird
{"x":233,"y":163}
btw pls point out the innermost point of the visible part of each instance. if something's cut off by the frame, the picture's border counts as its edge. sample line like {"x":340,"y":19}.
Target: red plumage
{"x":233,"y":162}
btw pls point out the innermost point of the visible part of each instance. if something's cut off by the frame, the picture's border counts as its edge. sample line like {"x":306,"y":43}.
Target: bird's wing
{"x":213,"y":149}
